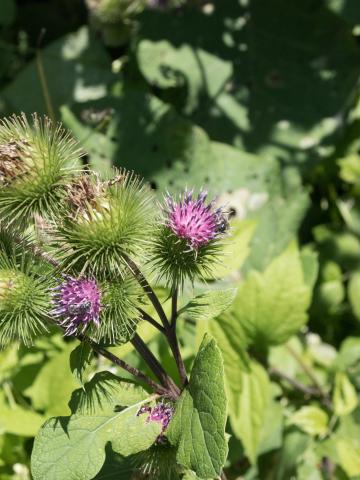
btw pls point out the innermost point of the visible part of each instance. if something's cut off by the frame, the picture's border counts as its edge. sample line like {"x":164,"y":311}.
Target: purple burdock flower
{"x":162,"y":413}
{"x":77,"y":304}
{"x":195,"y":220}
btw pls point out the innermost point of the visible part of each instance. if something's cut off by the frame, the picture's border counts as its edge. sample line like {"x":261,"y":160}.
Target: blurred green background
{"x":256,"y":101}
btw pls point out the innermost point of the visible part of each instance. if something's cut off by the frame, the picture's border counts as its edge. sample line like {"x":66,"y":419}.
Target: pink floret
{"x":195,"y":220}
{"x":77,"y":303}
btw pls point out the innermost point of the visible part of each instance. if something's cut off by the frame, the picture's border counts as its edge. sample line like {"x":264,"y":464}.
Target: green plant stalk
{"x":155,"y":366}
{"x":307,"y":391}
{"x":125,"y":366}
{"x":325,"y":397}
{"x":134,"y":269}
{"x":169,"y":328}
{"x":149,"y":319}
{"x":173,"y":341}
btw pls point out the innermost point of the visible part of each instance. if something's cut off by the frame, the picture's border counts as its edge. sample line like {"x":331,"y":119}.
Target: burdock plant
{"x":81,"y":255}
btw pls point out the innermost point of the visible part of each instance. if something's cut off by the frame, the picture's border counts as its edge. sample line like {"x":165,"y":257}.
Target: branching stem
{"x":173,"y":341}
{"x":150,"y":319}
{"x":308,"y":391}
{"x":174,"y":345}
{"x":125,"y":366}
{"x":148,"y":290}
{"x":169,"y":329}
{"x":306,"y":369}
{"x":155,"y":366}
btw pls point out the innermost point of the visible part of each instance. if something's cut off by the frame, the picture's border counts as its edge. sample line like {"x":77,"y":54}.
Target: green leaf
{"x":312,"y":420}
{"x":310,"y":265}
{"x":248,"y":411}
{"x":271,"y":437}
{"x":170,"y":151}
{"x":309,"y":468}
{"x":209,"y":305}
{"x":347,"y":443}
{"x":12,"y":449}
{"x":271,"y":306}
{"x":350,"y":169}
{"x":353,"y":293}
{"x":236,"y":250}
{"x":117,"y":467}
{"x":278,"y":223}
{"x":53,"y":385}
{"x":76,"y":67}
{"x":7,"y":12}
{"x":231,"y":340}
{"x":295,"y":443}
{"x":349,"y":354}
{"x":198,"y":426}
{"x":8,"y":361}
{"x":348,"y":450}
{"x":18,"y":421}
{"x":166,"y":66}
{"x":341,"y":246}
{"x":104,"y":392}
{"x":276,"y":116}
{"x":74,"y":448}
{"x":80,"y":359}
{"x":344,"y":397}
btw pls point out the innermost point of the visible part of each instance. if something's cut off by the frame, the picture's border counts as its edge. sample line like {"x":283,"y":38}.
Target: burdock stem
{"x":125,"y":366}
{"x":150,"y":319}
{"x":155,"y":366}
{"x":169,"y":329}
{"x":135,"y":270}
{"x":174,"y":312}
{"x":173,"y":340}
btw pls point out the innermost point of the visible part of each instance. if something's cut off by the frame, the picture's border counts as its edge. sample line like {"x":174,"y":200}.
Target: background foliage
{"x":258,"y":102}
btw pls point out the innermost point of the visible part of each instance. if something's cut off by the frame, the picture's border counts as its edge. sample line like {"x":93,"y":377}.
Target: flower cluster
{"x":77,"y":304}
{"x":162,"y":413}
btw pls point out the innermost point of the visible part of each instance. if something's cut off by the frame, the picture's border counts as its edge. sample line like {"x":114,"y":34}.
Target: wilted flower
{"x":84,"y":194}
{"x":195,"y":220}
{"x":161,"y":413}
{"x":11,"y":163}
{"x":77,"y":304}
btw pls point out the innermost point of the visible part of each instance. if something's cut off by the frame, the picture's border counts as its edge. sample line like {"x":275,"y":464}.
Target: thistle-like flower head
{"x":24,"y":296}
{"x":77,"y":304}
{"x":113,"y":221}
{"x":37,"y":160}
{"x":188,"y":241}
{"x":161,"y":413}
{"x":195,"y":220}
